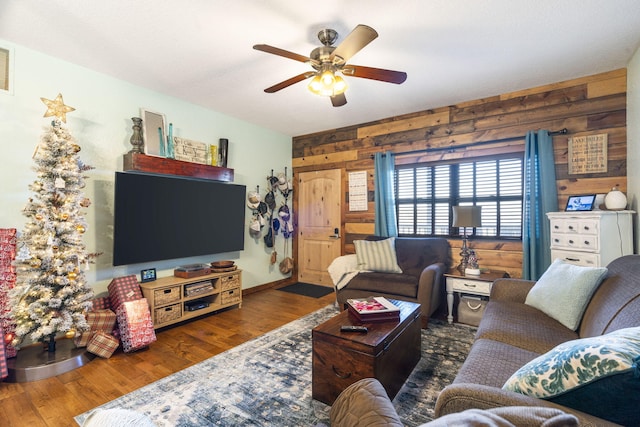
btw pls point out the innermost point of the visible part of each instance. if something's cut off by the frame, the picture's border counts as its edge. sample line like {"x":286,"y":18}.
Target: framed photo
{"x":580,"y":203}
{"x":148,"y":275}
{"x":153,"y":132}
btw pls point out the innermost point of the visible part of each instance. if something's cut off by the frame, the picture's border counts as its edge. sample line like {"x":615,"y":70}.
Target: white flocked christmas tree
{"x":51,"y":293}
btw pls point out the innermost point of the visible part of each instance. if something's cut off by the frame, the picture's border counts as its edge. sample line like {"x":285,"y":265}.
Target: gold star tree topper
{"x":57,"y":108}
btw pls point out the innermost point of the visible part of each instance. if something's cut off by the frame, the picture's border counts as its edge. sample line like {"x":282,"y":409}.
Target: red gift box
{"x":101,"y":303}
{"x":4,"y":371}
{"x":135,"y":324}
{"x":99,"y":321}
{"x":8,"y":239}
{"x":123,"y":289}
{"x":102,"y":344}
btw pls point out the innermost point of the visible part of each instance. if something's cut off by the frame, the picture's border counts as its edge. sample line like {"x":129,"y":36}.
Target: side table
{"x":473,"y":285}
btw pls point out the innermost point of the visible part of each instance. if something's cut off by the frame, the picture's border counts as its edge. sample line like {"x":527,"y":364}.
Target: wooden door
{"x":319,"y":214}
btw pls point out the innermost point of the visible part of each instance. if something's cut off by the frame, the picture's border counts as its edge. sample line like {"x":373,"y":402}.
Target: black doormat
{"x":307,"y":289}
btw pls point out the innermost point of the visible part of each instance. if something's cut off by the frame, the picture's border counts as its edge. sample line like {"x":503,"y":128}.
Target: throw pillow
{"x":598,"y":375}
{"x":564,"y":291}
{"x":377,"y":255}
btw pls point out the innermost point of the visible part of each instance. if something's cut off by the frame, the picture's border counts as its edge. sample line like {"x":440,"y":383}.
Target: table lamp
{"x":466,"y":216}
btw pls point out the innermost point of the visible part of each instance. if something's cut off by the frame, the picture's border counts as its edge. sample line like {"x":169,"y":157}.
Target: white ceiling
{"x":452,"y":50}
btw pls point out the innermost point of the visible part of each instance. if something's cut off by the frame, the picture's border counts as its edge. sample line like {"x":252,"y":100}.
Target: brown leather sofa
{"x":423,"y":262}
{"x":512,"y":333}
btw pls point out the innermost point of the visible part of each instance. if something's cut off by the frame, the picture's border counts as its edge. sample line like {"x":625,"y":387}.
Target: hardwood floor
{"x":55,"y":401}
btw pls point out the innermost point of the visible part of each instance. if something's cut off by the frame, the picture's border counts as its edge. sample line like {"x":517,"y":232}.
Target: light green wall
{"x":101,"y":125}
{"x":633,"y":140}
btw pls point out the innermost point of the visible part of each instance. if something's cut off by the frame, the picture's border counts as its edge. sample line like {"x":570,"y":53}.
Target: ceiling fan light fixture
{"x":326,"y":83}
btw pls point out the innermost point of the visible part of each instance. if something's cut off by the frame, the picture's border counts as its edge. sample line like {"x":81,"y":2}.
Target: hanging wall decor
{"x":272,"y":214}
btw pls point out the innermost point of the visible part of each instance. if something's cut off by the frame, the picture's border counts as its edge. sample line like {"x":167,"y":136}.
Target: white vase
{"x":615,"y":200}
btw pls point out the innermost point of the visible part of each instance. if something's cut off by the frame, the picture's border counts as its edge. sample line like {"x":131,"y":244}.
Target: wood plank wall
{"x":585,"y":106}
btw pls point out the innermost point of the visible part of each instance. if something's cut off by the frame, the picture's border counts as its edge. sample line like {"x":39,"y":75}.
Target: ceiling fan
{"x":328,"y":60}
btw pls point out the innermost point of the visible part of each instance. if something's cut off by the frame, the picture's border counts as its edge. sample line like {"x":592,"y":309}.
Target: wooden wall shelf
{"x":142,"y":163}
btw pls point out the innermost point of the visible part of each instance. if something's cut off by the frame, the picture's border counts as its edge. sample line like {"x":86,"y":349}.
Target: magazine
{"x":373,"y":309}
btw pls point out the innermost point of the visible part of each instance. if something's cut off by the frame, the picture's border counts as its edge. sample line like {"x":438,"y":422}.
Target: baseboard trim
{"x":270,"y":285}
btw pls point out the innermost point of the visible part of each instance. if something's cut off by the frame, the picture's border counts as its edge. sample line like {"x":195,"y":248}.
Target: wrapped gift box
{"x":8,"y":240}
{"x":101,"y":303}
{"x":3,"y":357}
{"x":99,"y":321}
{"x":102,"y":344}
{"x":123,"y":289}
{"x":135,"y":324}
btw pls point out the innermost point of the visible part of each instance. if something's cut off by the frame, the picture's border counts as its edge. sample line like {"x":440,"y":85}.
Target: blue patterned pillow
{"x":377,"y":255}
{"x":598,"y":375}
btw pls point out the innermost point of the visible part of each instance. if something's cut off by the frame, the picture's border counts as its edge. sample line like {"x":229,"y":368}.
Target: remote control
{"x":346,"y":328}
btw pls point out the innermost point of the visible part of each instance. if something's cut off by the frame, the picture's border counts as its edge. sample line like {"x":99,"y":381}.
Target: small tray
{"x":222,"y":264}
{"x":224,"y":270}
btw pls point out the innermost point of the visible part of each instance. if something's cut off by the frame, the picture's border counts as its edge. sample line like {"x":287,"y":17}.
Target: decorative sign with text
{"x":588,"y":154}
{"x":358,"y":191}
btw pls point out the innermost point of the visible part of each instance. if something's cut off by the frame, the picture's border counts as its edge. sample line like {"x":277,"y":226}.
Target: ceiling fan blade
{"x":289,"y":82}
{"x":281,"y":52}
{"x":338,"y":100}
{"x":380,"y":74}
{"x":361,"y":36}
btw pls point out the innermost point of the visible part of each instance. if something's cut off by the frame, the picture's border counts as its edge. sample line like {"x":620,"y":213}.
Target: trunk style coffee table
{"x":388,"y":352}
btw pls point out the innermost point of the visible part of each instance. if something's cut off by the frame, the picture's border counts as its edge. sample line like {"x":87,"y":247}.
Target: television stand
{"x":170,"y":298}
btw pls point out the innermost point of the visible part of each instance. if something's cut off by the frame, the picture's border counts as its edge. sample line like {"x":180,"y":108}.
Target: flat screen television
{"x":164,"y":217}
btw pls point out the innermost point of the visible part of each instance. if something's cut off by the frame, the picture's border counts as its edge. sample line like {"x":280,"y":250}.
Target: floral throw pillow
{"x":598,"y":375}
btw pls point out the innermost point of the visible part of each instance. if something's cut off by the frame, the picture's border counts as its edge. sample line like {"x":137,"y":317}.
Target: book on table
{"x":373,"y":309}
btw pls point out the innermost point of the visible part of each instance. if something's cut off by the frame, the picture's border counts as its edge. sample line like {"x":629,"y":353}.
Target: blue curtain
{"x":386,"y":224}
{"x":540,"y":197}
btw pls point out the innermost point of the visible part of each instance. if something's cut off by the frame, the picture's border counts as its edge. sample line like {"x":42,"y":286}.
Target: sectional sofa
{"x":530,"y":353}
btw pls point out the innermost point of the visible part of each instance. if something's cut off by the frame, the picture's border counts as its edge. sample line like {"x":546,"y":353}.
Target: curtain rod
{"x":562,"y":131}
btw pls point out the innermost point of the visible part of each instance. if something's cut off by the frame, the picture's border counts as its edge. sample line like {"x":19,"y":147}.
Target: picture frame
{"x":7,"y":54}
{"x":152,"y":123}
{"x":580,"y":203}
{"x":148,"y":275}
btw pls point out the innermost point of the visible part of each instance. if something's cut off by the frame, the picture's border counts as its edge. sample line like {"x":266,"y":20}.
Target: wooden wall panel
{"x":585,"y":106}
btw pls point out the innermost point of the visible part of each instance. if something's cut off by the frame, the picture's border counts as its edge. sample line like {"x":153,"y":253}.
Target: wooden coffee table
{"x":388,"y":351}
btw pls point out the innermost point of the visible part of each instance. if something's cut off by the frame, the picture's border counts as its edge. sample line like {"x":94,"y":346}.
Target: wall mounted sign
{"x":358,"y":191}
{"x":588,"y":154}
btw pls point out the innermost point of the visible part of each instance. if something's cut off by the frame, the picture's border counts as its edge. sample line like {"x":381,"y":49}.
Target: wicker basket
{"x":230,"y":297}
{"x":167,"y":314}
{"x":167,"y":295}
{"x":229,"y":282}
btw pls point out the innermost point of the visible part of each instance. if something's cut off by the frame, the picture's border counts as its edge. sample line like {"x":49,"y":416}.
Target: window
{"x":425,"y":194}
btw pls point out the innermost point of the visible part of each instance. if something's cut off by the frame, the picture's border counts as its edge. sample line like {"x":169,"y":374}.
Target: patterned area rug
{"x":267,"y":381}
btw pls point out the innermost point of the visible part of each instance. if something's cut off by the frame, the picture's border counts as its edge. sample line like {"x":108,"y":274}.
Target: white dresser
{"x":591,"y":238}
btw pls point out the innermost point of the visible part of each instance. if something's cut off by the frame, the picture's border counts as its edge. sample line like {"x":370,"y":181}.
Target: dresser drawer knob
{"x":571,"y":242}
{"x":586,"y":242}
{"x":571,"y":227}
{"x":469,"y":285}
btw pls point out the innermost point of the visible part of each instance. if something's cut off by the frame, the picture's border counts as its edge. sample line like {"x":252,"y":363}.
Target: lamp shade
{"x":467,"y":216}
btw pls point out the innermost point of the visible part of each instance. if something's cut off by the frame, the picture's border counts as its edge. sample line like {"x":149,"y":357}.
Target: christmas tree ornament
{"x":56,"y":108}
{"x":70,"y":334}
